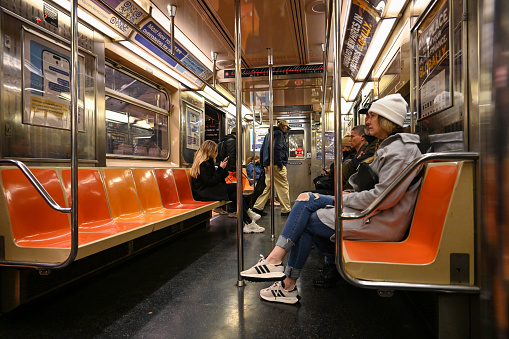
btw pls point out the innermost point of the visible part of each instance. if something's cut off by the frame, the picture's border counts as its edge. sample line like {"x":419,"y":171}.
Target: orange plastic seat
{"x":169,"y":193}
{"x":148,"y":194}
{"x":123,"y":199}
{"x":34,"y":223}
{"x":183,"y":184}
{"x":422,"y":243}
{"x":93,"y":211}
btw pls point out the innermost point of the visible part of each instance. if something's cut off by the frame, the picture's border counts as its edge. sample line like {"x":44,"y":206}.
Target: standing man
{"x":279,"y":169}
{"x":228,"y":148}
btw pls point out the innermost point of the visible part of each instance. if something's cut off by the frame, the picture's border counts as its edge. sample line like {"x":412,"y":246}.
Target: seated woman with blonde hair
{"x":208,"y":183}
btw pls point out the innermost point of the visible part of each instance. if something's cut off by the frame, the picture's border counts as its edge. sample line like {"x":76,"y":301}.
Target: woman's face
{"x":374,"y":127}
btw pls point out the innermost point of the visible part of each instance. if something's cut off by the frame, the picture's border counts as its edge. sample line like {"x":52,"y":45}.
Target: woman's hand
{"x":224,"y":163}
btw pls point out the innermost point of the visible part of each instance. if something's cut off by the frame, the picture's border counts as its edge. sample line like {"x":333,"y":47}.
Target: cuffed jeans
{"x":302,"y":228}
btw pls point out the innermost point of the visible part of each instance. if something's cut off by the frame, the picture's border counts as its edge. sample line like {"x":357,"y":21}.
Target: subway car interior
{"x":104,"y":104}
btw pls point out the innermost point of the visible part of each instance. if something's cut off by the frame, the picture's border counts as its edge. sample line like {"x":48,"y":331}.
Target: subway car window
{"x":296,"y":144}
{"x":136,"y":122}
{"x":134,"y":88}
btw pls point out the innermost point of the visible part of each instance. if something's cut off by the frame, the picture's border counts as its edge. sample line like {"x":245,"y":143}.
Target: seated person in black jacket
{"x":208,"y":183}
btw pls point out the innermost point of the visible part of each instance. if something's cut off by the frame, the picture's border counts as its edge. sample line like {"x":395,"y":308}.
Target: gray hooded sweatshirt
{"x":392,"y":219}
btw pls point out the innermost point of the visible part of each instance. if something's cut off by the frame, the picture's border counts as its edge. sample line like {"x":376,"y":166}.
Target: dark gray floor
{"x":187,"y":289}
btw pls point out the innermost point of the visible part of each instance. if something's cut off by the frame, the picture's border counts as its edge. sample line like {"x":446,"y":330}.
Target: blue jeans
{"x":302,"y":226}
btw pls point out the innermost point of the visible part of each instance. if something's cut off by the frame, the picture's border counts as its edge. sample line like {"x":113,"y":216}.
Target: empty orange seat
{"x":169,"y":193}
{"x":123,"y":199}
{"x":183,"y":183}
{"x":34,"y":223}
{"x":148,"y":194}
{"x":423,"y":241}
{"x":93,"y":211}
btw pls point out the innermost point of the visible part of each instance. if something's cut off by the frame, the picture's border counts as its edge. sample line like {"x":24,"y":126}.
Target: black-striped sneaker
{"x":277,"y":293}
{"x":264,"y":271}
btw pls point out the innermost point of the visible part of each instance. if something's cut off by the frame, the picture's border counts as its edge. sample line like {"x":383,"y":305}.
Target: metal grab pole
{"x":214,"y":70}
{"x":324,"y":92}
{"x":238,"y":100}
{"x":173,"y":11}
{"x":338,"y":188}
{"x":271,"y":131}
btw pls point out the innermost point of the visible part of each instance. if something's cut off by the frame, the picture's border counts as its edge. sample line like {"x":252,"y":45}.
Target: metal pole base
{"x":241,"y":283}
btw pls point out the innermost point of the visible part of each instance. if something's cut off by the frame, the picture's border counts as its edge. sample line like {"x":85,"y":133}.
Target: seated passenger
{"x":253,"y":167}
{"x":208,"y":183}
{"x":312,"y":219}
{"x":364,"y":147}
{"x":346,"y":148}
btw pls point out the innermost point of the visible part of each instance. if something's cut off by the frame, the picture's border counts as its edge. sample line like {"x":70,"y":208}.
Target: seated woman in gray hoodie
{"x":312,"y":219}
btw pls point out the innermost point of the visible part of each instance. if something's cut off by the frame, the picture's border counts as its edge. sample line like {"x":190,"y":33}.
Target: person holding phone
{"x":208,"y":183}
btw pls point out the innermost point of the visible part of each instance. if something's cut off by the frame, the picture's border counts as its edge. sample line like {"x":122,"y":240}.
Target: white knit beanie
{"x":392,"y":107}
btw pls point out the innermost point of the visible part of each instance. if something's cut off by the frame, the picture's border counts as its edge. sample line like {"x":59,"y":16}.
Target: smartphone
{"x":56,"y":73}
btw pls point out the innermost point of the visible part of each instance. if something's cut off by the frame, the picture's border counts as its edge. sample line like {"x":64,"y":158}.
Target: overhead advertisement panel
{"x":362,"y":23}
{"x":161,"y":38}
{"x":131,"y":11}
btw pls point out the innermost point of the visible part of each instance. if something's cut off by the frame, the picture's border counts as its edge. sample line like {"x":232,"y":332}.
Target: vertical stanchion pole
{"x":173,"y":11}
{"x":324,"y":93}
{"x":214,"y":71}
{"x":338,"y":189}
{"x":74,"y":120}
{"x":271,"y":146}
{"x":238,"y":102}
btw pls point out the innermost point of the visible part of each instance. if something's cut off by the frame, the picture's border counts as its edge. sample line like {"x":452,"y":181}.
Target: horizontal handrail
{"x":387,"y":285}
{"x":425,"y":158}
{"x":42,"y":191}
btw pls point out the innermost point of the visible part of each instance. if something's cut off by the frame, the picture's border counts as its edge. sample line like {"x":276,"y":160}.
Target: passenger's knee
{"x":303,"y":197}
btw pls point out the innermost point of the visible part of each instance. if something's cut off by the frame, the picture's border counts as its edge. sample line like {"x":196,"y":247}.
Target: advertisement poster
{"x":127,"y":8}
{"x":193,"y":130}
{"x":46,"y":76}
{"x":329,"y":145}
{"x":434,"y":65}
{"x":362,"y":24}
{"x":160,"y":37}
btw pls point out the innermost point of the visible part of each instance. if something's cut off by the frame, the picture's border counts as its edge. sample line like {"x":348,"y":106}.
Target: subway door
{"x":299,"y":161}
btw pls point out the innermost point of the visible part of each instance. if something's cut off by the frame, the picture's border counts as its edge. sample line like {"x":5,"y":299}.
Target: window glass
{"x":135,"y":131}
{"x":296,"y":143}
{"x":134,"y":88}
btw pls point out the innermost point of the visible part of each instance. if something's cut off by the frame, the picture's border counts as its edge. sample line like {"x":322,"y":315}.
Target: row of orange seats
{"x":114,"y":205}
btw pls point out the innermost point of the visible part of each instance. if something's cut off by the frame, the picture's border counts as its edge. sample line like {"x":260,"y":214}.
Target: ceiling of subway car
{"x":294,"y":30}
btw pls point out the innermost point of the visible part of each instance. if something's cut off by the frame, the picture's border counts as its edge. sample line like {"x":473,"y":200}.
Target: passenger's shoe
{"x":232,"y":215}
{"x":260,"y":212}
{"x":328,"y":277}
{"x":219,"y":210}
{"x":253,"y":228}
{"x":276,"y":203}
{"x":264,"y":271}
{"x":285,"y":214}
{"x":254,"y":216}
{"x":277,"y":293}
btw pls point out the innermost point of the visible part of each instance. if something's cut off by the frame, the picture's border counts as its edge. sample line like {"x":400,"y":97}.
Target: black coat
{"x":210,"y":184}
{"x":228,"y":148}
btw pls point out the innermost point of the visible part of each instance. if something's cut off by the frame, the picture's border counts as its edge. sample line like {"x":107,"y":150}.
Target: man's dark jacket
{"x":280,"y":149}
{"x":228,"y":148}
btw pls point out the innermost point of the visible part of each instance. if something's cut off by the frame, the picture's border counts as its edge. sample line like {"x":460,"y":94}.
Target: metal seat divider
{"x":44,"y":268}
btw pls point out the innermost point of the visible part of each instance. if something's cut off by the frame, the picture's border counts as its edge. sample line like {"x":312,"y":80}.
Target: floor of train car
{"x":187,"y":289}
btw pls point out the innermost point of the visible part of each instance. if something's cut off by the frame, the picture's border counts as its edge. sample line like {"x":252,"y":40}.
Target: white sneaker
{"x":253,"y":228}
{"x":253,"y":215}
{"x":277,"y":293}
{"x":264,"y":271}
